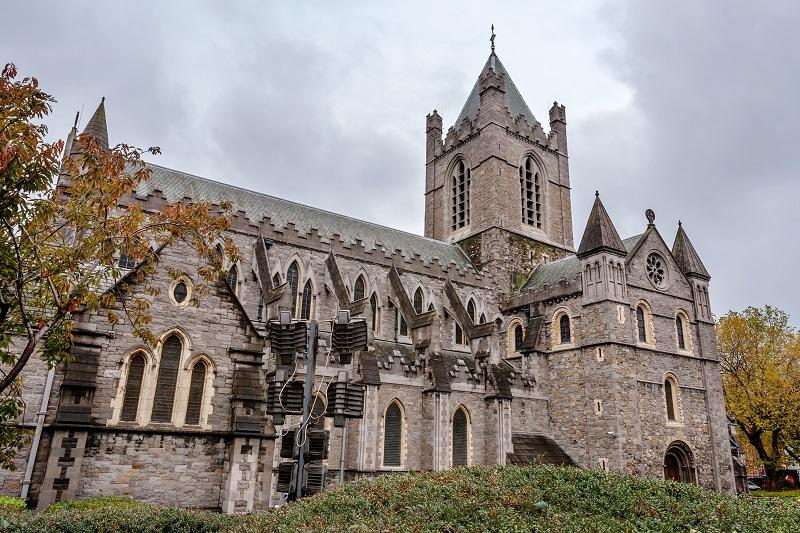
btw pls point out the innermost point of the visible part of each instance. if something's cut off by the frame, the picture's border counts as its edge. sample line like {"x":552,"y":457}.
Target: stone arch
{"x":672,"y":399}
{"x":685,"y":333}
{"x":648,"y":326}
{"x":679,"y":463}
{"x":514,"y":323}
{"x":557,"y":328}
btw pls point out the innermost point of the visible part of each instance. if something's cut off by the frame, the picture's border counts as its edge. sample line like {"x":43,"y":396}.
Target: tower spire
{"x":96,"y":127}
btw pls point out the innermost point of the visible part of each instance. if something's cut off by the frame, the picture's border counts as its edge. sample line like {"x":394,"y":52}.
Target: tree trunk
{"x":770,"y":461}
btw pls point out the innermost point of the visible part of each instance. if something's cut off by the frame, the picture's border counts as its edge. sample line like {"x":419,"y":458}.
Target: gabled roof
{"x":96,"y":127}
{"x":177,"y":185}
{"x":514,"y":101}
{"x":686,"y":256}
{"x":600,"y":234}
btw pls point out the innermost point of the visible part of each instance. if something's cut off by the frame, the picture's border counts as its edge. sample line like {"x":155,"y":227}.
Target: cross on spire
{"x":491,"y":39}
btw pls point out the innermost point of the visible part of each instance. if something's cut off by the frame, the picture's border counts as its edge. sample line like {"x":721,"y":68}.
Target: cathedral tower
{"x":497,"y":184}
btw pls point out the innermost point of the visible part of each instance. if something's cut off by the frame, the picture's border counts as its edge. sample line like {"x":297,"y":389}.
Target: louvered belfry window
{"x":359,"y":289}
{"x":167,"y":378}
{"x":133,"y":388}
{"x":459,"y":438}
{"x":392,"y":435}
{"x":196,"y":386}
{"x":460,"y":196}
{"x":530,"y":193}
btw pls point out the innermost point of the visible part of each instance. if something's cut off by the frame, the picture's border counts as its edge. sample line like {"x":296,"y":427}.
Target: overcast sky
{"x":689,"y":108}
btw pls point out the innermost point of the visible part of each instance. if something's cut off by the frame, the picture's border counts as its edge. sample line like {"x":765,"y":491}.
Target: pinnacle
{"x":96,"y":127}
{"x":600,"y":233}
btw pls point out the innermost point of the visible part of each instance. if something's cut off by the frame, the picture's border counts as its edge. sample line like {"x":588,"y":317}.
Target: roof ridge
{"x":415,"y":235}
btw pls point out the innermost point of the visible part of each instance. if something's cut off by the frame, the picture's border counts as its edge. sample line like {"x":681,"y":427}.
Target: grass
{"x":536,"y":498}
{"x":780,"y":494}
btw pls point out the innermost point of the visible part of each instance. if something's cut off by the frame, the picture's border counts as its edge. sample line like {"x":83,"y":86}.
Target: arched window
{"x":293,"y":278}
{"x":402,"y":327}
{"x":461,"y":339}
{"x":670,"y":399}
{"x":459,"y":196}
{"x":517,"y":337}
{"x":460,"y":438}
{"x":393,"y":435}
{"x":682,"y":331}
{"x":197,"y":384}
{"x":530,"y":193}
{"x":641,"y":324}
{"x":126,"y":262}
{"x":471,"y":310}
{"x":430,"y":307}
{"x":167,"y":378}
{"x":133,"y":388}
{"x":419,"y":301}
{"x":482,"y":319}
{"x":373,"y":304}
{"x":276,"y":280}
{"x":305,"y":303}
{"x":359,"y":289}
{"x":233,"y":277}
{"x":679,"y":463}
{"x":565,"y":334}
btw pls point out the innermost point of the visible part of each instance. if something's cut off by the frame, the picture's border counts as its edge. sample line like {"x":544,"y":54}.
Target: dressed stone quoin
{"x":490,"y":340}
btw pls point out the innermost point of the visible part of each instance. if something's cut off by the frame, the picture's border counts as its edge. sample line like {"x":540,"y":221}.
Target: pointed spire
{"x":686,"y":256}
{"x":96,"y":127}
{"x":513,"y":99}
{"x":600,"y":233}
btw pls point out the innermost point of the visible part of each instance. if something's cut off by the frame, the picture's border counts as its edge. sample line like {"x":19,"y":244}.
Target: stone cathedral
{"x":493,"y":339}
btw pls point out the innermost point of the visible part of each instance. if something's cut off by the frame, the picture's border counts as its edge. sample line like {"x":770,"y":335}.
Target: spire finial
{"x":103,"y":100}
{"x":491,"y":39}
{"x":650,"y":215}
{"x":679,"y":224}
{"x":597,"y":194}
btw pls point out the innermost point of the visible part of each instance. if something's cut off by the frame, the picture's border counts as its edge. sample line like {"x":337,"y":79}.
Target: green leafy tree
{"x":61,"y":240}
{"x":760,"y":355}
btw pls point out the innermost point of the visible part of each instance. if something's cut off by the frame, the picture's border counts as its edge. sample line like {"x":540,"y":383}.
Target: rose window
{"x":657,"y":271}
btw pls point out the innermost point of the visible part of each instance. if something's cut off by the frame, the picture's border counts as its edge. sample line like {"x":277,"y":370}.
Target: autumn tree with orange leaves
{"x":59,"y":245}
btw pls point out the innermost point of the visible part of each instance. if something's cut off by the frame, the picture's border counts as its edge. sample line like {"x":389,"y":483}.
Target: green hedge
{"x":537,"y":498}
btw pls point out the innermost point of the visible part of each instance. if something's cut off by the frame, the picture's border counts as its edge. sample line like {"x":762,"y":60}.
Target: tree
{"x":61,"y":240}
{"x":760,"y":356}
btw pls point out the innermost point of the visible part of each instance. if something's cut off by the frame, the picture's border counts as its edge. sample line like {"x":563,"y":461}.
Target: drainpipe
{"x":37,"y":437}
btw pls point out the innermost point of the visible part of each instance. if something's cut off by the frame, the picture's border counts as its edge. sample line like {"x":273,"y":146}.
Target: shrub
{"x":11,"y":504}
{"x":102,"y":502}
{"x":536,"y":498}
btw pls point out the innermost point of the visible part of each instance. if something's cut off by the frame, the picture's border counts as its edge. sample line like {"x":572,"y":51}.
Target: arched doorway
{"x":679,"y":463}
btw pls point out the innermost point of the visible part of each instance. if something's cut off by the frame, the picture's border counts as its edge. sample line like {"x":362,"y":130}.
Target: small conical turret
{"x":600,"y":234}
{"x":686,"y":256}
{"x":96,"y":127}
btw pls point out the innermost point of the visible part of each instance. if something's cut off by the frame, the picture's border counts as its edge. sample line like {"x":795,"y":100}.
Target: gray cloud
{"x":688,"y":109}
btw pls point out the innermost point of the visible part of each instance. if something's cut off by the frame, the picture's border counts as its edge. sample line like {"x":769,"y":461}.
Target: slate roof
{"x":686,"y":256}
{"x":567,"y":268}
{"x":600,"y":233}
{"x":176,"y":185}
{"x":514,"y":101}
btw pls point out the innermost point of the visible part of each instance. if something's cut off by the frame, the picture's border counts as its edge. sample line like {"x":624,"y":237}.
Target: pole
{"x":307,"y":390}
{"x":26,"y":482}
{"x":344,"y":453}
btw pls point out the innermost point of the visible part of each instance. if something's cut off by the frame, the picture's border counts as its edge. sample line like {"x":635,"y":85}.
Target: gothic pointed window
{"x":197,"y":384}
{"x":460,"y":438}
{"x":680,"y":332}
{"x":482,"y":320}
{"x":403,"y":325}
{"x":169,"y":364}
{"x":393,"y":435}
{"x":564,"y":329}
{"x":530,"y":193}
{"x":276,"y":280}
{"x":233,"y":278}
{"x":133,"y":388}
{"x":292,"y":278}
{"x":517,"y":337}
{"x":459,"y":196}
{"x":305,"y":303}
{"x":641,"y":324}
{"x":471,"y":310}
{"x":373,"y":304}
{"x":359,"y":289}
{"x":419,"y":301}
